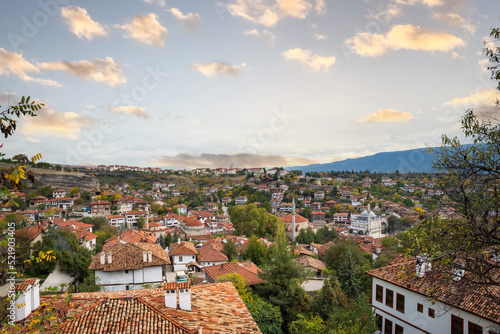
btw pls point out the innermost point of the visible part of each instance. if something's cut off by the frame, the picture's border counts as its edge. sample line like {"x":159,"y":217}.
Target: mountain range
{"x":415,"y":160}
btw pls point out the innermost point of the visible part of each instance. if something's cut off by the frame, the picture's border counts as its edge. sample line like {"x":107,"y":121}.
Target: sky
{"x":241,"y":83}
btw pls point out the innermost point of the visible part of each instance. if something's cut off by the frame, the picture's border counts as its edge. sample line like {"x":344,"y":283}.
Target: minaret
{"x":293,"y":220}
{"x":369,"y":222}
{"x":146,"y":215}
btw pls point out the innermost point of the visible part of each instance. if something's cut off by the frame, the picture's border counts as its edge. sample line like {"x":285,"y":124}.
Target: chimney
{"x":144,"y":256}
{"x":150,"y":256}
{"x":185,"y":296}
{"x":103,"y":258}
{"x":458,"y":271}
{"x":109,"y":257}
{"x":423,"y":265}
{"x":170,"y":295}
{"x":179,"y":240}
{"x":249,"y":263}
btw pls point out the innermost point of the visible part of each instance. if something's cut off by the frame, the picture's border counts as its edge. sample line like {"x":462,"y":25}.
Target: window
{"x":126,"y":271}
{"x":379,"y":294}
{"x":420,"y":308}
{"x":379,"y":322}
{"x":389,"y":298}
{"x":388,"y":326}
{"x":398,"y":329}
{"x":457,"y":325}
{"x":475,"y":329}
{"x":400,"y":303}
{"x":180,"y":258}
{"x":431,"y":313}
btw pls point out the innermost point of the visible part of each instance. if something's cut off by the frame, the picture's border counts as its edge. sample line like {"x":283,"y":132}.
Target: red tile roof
{"x":130,"y":256}
{"x":469,"y":294}
{"x":131,"y":236}
{"x":210,"y":253}
{"x":298,"y":219}
{"x":249,"y":273}
{"x":184,"y":248}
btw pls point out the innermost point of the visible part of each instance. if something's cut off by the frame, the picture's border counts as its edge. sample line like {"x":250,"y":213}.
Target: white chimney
{"x":185,"y":296}
{"x":144,"y":256}
{"x":109,"y":257}
{"x":170,"y":295}
{"x":23,"y":304}
{"x":423,"y":265}
{"x":458,"y":271}
{"x":150,"y":256}
{"x":249,"y":263}
{"x":179,"y":241}
{"x":103,"y":258}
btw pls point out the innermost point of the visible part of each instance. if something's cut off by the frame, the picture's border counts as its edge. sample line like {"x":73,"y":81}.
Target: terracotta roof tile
{"x":249,"y":273}
{"x":184,"y":248}
{"x":130,"y":256}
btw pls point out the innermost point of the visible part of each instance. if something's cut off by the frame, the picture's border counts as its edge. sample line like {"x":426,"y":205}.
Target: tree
{"x":255,"y":251}
{"x":282,"y":279}
{"x":230,"y":250}
{"x":325,"y":301}
{"x":140,"y":222}
{"x":348,"y":275}
{"x":251,"y":220}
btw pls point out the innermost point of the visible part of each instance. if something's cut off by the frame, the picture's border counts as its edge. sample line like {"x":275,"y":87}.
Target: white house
{"x":130,"y":266}
{"x":401,"y":303}
{"x":116,"y":220}
{"x":240,"y":200}
{"x":182,"y":253}
{"x":28,"y":292}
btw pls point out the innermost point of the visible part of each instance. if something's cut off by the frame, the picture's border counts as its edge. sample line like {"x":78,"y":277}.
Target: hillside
{"x":416,"y":160}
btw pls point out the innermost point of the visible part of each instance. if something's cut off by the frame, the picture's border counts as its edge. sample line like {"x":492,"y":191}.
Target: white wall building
{"x":402,"y":306}
{"x":130,"y":266}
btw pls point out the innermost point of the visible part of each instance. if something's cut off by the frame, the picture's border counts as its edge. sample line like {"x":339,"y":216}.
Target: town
{"x":144,"y":231}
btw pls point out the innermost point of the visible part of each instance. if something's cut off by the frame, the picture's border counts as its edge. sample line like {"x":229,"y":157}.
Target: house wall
{"x":414,"y":322}
{"x":181,"y":265}
{"x":119,"y":280}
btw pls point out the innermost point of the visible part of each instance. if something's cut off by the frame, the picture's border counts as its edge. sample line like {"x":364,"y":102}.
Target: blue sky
{"x":239,"y":82}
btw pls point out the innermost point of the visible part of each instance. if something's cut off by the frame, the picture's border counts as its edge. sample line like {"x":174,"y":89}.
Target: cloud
{"x":320,"y":7}
{"x":207,"y":160}
{"x":32,"y":140}
{"x":385,"y":13}
{"x":454,"y":19}
{"x":429,"y":3}
{"x":130,"y":110}
{"x":268,"y":13}
{"x":146,"y":29}
{"x":307,"y":58}
{"x":387,"y":116}
{"x":80,"y":23}
{"x":481,"y":97}
{"x":8,"y":97}
{"x":407,"y":37}
{"x":264,"y":34}
{"x":49,"y":123}
{"x":100,"y":70}
{"x":160,"y":3}
{"x":320,"y":37}
{"x":190,"y":20}
{"x":219,"y":67}
{"x":14,"y":63}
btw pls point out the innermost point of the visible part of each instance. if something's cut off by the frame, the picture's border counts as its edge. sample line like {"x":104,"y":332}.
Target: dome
{"x":364,"y":214}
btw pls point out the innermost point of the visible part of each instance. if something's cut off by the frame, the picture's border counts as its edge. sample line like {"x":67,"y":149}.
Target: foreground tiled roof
{"x":124,"y":315}
{"x":249,"y":273}
{"x":184,"y":248}
{"x":130,"y":256}
{"x":216,"y":308}
{"x":480,"y":299}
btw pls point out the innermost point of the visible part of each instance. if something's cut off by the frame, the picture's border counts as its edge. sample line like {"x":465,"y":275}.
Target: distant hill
{"x":416,"y":160}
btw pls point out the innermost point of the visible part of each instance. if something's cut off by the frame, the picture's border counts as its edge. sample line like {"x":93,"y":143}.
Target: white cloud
{"x":320,"y":37}
{"x":219,"y":67}
{"x":160,"y":3}
{"x":49,"y":123}
{"x":146,"y":29}
{"x":190,"y":20}
{"x":481,"y":97}
{"x":429,"y":3}
{"x":264,"y":34}
{"x":307,"y":58}
{"x":14,"y":63}
{"x":408,"y":37}
{"x":454,"y":19}
{"x":385,"y":13}
{"x":80,"y":22}
{"x":320,"y":7}
{"x":130,"y":110}
{"x":100,"y":70}
{"x":387,"y":116}
{"x":32,"y":140}
{"x":8,"y":97}
{"x":268,"y":13}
